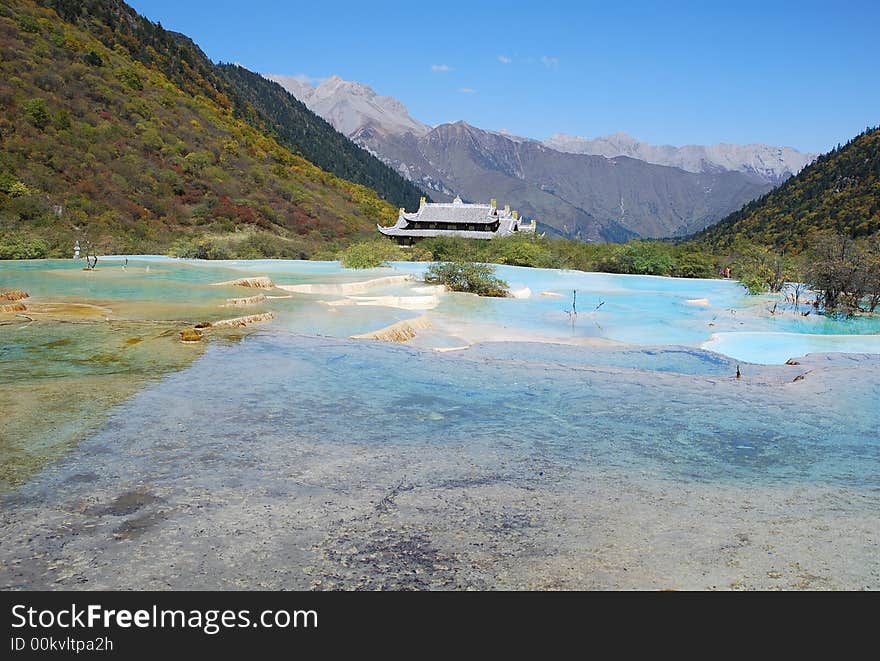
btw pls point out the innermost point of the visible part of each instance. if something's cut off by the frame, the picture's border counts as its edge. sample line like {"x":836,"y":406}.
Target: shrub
{"x":755,"y":282}
{"x":93,"y":59}
{"x":695,"y":265}
{"x":36,"y":112}
{"x":130,"y":78}
{"x":526,"y":251}
{"x":755,"y":264}
{"x":646,"y":258}
{"x":369,"y":255}
{"x":12,"y":186}
{"x":17,"y":189}
{"x":27,"y":23}
{"x":196,"y":161}
{"x":451,"y":248}
{"x":61,"y":120}
{"x":466,"y":277}
{"x":22,"y":248}
{"x":26,"y":207}
{"x":845,"y":274}
{"x":199,"y":249}
{"x":151,"y":140}
{"x":419,"y":254}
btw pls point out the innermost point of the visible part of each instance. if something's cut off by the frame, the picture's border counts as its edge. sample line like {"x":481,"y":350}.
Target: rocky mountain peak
{"x":352,"y":107}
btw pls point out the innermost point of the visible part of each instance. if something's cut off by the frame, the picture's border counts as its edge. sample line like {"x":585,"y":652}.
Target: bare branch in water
{"x":573,"y":312}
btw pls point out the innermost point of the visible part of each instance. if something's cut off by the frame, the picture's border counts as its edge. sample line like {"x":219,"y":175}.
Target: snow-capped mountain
{"x":774,"y":164}
{"x":607,"y":189}
{"x":352,"y":107}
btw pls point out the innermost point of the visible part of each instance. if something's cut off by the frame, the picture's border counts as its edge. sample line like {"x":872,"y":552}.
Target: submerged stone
{"x":241,"y":302}
{"x":347,"y":287}
{"x":190,"y":335}
{"x":402,"y":331}
{"x":238,"y":322}
{"x":13,"y":295}
{"x":260,"y":282}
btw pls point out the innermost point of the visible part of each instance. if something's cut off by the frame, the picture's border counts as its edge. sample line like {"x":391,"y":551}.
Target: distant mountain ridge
{"x":572,"y":192}
{"x":775,"y":164}
{"x":590,"y":198}
{"x":352,"y":107}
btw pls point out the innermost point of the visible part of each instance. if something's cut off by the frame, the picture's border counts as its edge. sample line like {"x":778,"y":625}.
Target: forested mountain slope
{"x":252,"y":98}
{"x":838,"y":192}
{"x":117,"y":131}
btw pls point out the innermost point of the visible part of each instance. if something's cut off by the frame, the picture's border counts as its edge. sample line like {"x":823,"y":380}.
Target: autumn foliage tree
{"x":845,"y":273}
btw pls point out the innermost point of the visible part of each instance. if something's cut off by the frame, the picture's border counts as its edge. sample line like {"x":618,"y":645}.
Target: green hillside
{"x":262,"y":103}
{"x":839,"y":192}
{"x":115,"y":130}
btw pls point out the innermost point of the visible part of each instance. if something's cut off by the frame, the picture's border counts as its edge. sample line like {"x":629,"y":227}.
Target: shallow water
{"x":707,"y":428}
{"x":642,"y":310}
{"x":304,"y":462}
{"x":58,"y":381}
{"x":296,"y":457}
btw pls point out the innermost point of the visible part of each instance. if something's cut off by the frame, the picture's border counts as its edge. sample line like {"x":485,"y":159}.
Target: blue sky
{"x":801,"y":74}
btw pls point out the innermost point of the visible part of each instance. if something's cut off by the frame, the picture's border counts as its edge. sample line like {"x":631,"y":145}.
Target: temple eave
{"x":423,"y":234}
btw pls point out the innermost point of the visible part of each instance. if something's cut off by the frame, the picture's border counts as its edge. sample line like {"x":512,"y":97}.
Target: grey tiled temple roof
{"x":454,"y":213}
